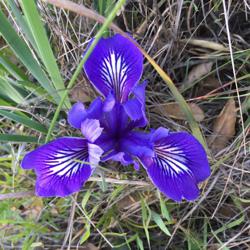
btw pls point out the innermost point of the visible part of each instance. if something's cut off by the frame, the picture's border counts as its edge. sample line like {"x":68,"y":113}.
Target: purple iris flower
{"x":175,"y":162}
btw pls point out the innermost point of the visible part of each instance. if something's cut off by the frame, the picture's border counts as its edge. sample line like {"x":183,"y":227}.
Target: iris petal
{"x":137,"y":144}
{"x":135,"y":107}
{"x":122,"y":157}
{"x":91,"y":129}
{"x":109,"y":103}
{"x":62,"y":166}
{"x":114,"y":65}
{"x":77,"y":114}
{"x":116,"y":120}
{"x":179,"y":165}
{"x":159,"y":134}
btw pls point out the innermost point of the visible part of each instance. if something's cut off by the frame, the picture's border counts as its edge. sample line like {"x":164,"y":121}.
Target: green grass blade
{"x":43,"y":45}
{"x":246,"y":105}
{"x":146,"y":217}
{"x":22,"y":23}
{"x":12,"y":68}
{"x":159,"y":222}
{"x":36,"y":90}
{"x":232,"y":224}
{"x":22,"y":51}
{"x":164,"y":210}
{"x":103,"y":8}
{"x":4,"y":103}
{"x":23,"y":120}
{"x":139,"y":243}
{"x":9,"y":91}
{"x":19,"y":138}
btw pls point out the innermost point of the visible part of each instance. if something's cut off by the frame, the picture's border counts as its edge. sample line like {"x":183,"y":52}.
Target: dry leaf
{"x":82,"y":93}
{"x":127,"y":202}
{"x":90,"y":246}
{"x":227,"y":210}
{"x":208,"y":84}
{"x":173,"y":110}
{"x":197,"y":72}
{"x":224,"y":127}
{"x":206,"y":44}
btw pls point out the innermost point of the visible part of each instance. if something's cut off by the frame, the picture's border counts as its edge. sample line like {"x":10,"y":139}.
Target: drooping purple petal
{"x":179,"y":165}
{"x":62,"y":166}
{"x":77,"y":114}
{"x":139,"y":91}
{"x":114,"y":65}
{"x":175,"y":187}
{"x":135,"y":107}
{"x":91,"y":129}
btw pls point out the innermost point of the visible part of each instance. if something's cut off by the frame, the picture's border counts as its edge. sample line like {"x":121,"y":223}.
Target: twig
{"x":117,"y":181}
{"x":16,"y":195}
{"x":68,"y":234}
{"x":82,"y":11}
{"x":224,"y":246}
{"x":234,"y":74}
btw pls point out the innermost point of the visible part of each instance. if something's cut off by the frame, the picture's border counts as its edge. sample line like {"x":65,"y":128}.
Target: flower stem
{"x":105,"y":25}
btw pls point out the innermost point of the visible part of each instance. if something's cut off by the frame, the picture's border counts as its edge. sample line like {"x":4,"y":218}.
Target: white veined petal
{"x":115,"y":71}
{"x":172,"y":160}
{"x":66,"y":162}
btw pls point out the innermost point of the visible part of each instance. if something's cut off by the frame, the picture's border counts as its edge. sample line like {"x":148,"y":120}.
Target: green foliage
{"x":23,"y":52}
{"x":44,"y":48}
{"x":20,"y":118}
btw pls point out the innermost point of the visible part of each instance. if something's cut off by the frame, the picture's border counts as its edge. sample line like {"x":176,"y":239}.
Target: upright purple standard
{"x":175,"y":162}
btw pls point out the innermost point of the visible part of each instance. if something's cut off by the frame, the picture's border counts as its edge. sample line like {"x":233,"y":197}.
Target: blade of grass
{"x":4,"y":103}
{"x":12,"y":68}
{"x":139,"y":243}
{"x":8,"y":90}
{"x":146,"y":217}
{"x":22,"y":23}
{"x":164,"y":210}
{"x":22,"y":51}
{"x":36,"y":90}
{"x":43,"y":45}
{"x":98,"y":36}
{"x":232,"y":224}
{"x":19,"y":138}
{"x":103,"y":8}
{"x":158,"y":220}
{"x":23,"y":120}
